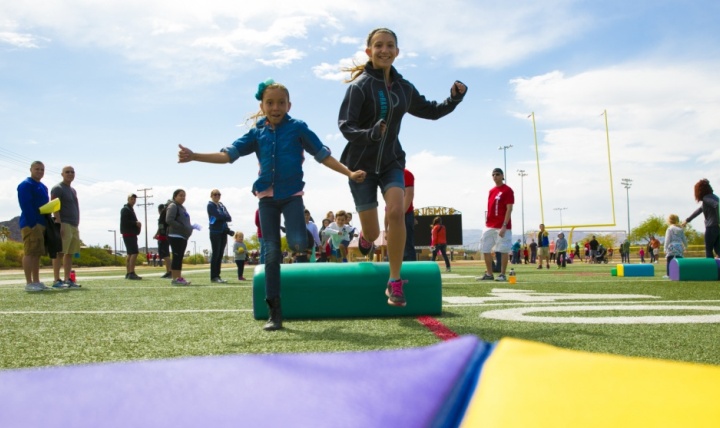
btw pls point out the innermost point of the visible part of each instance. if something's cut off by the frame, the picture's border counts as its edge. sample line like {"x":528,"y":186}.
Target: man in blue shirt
{"x":32,"y":194}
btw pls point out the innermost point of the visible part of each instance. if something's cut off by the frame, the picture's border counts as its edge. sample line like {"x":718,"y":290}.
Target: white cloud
{"x":18,"y":40}
{"x":282,"y":58}
{"x":657,"y":112}
{"x":335,"y":71}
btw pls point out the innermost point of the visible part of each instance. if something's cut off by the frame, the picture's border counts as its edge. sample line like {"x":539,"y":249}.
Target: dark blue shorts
{"x":365,"y":193}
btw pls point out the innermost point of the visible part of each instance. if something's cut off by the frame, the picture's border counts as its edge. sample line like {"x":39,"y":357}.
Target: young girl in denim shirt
{"x":370,"y":118}
{"x":278,"y":141}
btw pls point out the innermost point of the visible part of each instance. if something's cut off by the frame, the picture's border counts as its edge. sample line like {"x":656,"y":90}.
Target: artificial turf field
{"x":581,"y":307}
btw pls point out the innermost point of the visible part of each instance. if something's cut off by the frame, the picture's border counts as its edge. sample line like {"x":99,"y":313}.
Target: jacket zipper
{"x":378,"y":164}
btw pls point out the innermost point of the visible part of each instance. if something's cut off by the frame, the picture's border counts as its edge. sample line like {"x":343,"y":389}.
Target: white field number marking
{"x":524,"y":314}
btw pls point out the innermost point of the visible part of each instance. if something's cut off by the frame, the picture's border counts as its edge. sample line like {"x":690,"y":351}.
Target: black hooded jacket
{"x":368,"y":102}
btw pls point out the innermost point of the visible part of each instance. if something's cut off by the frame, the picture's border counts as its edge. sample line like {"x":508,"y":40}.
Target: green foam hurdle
{"x":694,"y":269}
{"x":347,"y":290}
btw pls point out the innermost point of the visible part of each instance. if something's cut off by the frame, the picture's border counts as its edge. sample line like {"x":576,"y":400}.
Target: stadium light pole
{"x":504,"y":149}
{"x":114,"y":242}
{"x":560,"y":210}
{"x":522,"y":174}
{"x":627,"y":183}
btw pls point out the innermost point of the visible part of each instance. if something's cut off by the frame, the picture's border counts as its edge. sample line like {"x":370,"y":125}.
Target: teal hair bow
{"x":261,"y":88}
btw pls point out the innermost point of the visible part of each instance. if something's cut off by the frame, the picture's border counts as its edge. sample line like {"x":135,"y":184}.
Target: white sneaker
{"x":501,"y":278}
{"x":666,"y":277}
{"x":35,"y":286}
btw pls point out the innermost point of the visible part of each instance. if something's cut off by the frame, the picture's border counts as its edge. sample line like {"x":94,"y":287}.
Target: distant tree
{"x":4,"y":233}
{"x":693,"y":236}
{"x":657,"y":226}
{"x":252,"y":242}
{"x":654,"y":225}
{"x":607,"y":240}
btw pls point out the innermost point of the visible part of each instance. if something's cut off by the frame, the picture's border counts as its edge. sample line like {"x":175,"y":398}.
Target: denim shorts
{"x":365,"y":193}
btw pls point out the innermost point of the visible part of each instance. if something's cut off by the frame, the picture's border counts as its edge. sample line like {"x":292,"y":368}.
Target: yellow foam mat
{"x":529,"y":384}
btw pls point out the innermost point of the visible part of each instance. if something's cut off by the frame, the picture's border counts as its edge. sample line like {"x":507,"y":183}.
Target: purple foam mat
{"x":399,"y":388}
{"x":674,"y":269}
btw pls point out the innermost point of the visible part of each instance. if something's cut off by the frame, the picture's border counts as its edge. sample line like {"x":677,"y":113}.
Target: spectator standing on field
{"x":179,"y":231}
{"x":533,"y":251}
{"x":69,"y":219}
{"x":218,"y":217}
{"x":497,"y":236}
{"x":439,"y":241}
{"x":32,"y":194}
{"x":593,"y":249}
{"x":561,"y":247}
{"x":543,"y":247}
{"x":130,"y":229}
{"x":163,"y":241}
{"x":625,"y":251}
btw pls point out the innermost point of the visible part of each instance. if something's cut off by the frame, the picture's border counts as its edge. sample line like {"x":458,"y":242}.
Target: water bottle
{"x":513,"y":278}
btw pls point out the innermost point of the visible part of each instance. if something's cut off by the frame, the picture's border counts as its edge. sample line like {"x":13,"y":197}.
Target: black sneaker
{"x":486,"y":277}
{"x":366,"y":247}
{"x":167,"y":275}
{"x":133,"y":276}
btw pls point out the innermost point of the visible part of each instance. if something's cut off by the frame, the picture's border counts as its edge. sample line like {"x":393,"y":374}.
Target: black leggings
{"x":177,"y":246}
{"x":241,"y":267}
{"x":442,"y":248}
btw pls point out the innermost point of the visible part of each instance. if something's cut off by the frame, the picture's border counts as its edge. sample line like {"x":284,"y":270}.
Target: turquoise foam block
{"x":347,"y":290}
{"x":639,"y":270}
{"x":415,"y":387}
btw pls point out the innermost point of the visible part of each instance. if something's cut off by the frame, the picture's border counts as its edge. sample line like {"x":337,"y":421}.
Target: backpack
{"x":162,"y":222}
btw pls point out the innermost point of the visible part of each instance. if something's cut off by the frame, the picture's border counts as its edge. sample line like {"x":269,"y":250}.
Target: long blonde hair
{"x":357,"y":69}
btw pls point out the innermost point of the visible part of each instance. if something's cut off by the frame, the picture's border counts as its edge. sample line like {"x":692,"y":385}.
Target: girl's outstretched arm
{"x":332,"y":163}
{"x":187,"y":155}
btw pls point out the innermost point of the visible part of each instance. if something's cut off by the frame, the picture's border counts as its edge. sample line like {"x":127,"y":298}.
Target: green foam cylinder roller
{"x":694,"y":269}
{"x":348,"y":290}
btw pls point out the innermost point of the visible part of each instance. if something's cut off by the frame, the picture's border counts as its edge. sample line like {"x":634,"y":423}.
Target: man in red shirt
{"x":497,"y":236}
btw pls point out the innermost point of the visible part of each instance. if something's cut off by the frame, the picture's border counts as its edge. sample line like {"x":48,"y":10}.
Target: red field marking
{"x":438,"y":328}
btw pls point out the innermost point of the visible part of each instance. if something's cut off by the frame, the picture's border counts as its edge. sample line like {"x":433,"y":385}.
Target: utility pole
{"x":145,"y":204}
{"x":627,"y":183}
{"x":522,"y":174}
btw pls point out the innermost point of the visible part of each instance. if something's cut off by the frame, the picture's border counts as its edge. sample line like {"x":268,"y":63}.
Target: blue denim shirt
{"x":280,"y":154}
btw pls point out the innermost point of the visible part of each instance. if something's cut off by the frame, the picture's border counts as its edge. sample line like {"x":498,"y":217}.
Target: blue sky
{"x":112,"y":87}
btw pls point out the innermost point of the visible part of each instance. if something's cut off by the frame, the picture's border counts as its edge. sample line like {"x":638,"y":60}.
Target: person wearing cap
{"x":561,"y":247}
{"x":497,"y":236}
{"x":130,"y":229}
